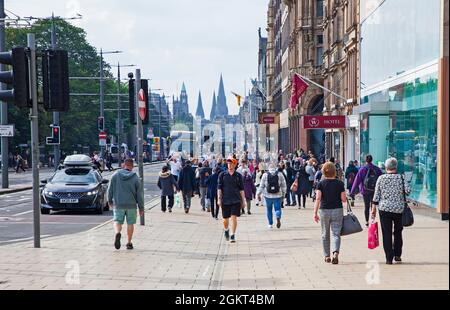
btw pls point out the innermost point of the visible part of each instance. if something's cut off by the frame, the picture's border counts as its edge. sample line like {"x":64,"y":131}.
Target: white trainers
{"x":270,"y":227}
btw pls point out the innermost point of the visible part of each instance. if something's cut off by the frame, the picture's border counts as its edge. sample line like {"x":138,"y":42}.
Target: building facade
{"x":341,"y":75}
{"x":304,"y":56}
{"x":399,"y":97}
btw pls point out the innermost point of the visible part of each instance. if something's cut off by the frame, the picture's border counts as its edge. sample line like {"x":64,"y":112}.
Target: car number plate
{"x":68,"y":201}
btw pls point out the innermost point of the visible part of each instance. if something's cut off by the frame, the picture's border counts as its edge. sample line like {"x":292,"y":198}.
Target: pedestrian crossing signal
{"x":55,"y":139}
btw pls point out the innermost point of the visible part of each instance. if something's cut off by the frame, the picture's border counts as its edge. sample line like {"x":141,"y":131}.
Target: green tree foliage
{"x":79,"y":125}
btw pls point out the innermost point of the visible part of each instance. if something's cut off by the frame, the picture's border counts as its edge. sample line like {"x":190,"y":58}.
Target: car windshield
{"x":75,"y":175}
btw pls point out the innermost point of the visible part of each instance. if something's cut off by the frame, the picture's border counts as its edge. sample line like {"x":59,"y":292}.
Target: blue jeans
{"x":288,"y":196}
{"x":293,"y":196}
{"x":270,"y":204}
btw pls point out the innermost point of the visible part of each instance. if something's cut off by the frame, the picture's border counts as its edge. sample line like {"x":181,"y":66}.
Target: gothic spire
{"x":213,"y":109}
{"x":222,"y":109}
{"x":200,"y":112}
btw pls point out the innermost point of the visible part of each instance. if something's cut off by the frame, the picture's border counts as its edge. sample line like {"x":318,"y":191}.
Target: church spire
{"x":200,"y":112}
{"x":213,"y":109}
{"x":222,"y":109}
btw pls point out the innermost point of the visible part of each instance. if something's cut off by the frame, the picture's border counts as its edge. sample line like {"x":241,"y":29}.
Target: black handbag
{"x":350,"y":224}
{"x":407,"y":216}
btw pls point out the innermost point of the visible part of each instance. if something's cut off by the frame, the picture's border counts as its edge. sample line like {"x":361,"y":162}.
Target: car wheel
{"x":45,"y":211}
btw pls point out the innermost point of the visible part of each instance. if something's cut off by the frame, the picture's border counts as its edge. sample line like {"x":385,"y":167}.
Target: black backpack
{"x":273,"y":184}
{"x":370,"y":181}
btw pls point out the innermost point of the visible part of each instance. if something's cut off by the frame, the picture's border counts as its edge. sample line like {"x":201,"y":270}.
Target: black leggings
{"x":304,"y":196}
{"x":214,"y":207}
{"x":367,"y":205}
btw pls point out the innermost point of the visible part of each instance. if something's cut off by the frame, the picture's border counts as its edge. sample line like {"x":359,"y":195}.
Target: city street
{"x":179,"y":251}
{"x":16,"y":214}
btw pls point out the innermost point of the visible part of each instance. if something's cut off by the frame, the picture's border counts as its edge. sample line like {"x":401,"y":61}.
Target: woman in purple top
{"x":365,"y":181}
{"x":249,"y":189}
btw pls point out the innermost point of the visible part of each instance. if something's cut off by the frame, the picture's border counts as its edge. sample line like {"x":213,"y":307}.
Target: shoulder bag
{"x":350,"y":224}
{"x":407,"y":216}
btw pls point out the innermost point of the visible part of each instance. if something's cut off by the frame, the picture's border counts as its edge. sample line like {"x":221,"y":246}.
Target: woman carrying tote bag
{"x":390,"y":201}
{"x":330,"y":197}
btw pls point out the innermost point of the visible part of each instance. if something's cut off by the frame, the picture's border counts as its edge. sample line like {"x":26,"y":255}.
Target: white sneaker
{"x":270,"y":226}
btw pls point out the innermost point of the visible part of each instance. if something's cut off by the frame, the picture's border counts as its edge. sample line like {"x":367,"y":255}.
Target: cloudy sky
{"x":171,"y":40}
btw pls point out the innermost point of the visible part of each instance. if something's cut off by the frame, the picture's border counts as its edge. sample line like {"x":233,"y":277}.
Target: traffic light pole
{"x":34,"y":141}
{"x":4,"y":106}
{"x":139,"y":133}
{"x":119,"y":118}
{"x":102,"y":104}
{"x":55,"y":114}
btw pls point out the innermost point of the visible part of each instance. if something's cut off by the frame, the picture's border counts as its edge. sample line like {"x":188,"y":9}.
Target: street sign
{"x":268,"y":118}
{"x":142,"y":105}
{"x":324,"y":122}
{"x":6,"y":130}
{"x":102,"y":142}
{"x":102,"y":135}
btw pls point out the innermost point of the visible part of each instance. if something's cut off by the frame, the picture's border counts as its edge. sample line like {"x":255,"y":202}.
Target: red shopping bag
{"x":374,"y":241}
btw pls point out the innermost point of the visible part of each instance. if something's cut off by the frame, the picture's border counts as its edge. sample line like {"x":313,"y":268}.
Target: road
{"x":16,"y":214}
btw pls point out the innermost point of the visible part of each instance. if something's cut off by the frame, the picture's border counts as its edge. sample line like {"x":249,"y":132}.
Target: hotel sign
{"x":268,"y":118}
{"x":324,"y":122}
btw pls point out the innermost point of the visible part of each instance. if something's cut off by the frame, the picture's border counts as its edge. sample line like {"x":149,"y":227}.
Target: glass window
{"x":320,"y":39}
{"x":319,"y":60}
{"x":75,"y":175}
{"x":410,"y":28}
{"x":319,"y":8}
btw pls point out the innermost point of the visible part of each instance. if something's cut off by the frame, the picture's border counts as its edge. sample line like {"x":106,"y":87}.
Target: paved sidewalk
{"x":179,"y":251}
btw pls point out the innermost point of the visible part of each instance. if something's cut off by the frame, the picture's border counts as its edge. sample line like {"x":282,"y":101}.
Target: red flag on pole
{"x":299,"y":87}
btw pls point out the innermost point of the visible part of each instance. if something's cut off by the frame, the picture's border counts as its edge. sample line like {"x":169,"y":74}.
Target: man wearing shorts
{"x":231,"y":197}
{"x":124,"y":194}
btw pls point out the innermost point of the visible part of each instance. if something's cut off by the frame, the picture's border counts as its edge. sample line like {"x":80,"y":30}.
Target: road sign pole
{"x":140,"y":134}
{"x":35,"y":142}
{"x":4,"y":106}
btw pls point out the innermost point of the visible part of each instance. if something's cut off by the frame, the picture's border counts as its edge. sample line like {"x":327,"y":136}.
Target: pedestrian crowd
{"x":231,"y":187}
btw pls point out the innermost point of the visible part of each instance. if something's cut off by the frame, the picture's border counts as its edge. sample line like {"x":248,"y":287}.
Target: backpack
{"x":273,"y":184}
{"x":370,"y":181}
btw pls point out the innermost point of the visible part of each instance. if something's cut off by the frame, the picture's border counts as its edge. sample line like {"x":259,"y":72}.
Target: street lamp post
{"x":102,"y":95}
{"x":119,"y":111}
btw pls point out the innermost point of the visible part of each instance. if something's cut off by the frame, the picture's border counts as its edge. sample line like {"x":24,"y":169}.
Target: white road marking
{"x":26,"y":212}
{"x":23,"y":199}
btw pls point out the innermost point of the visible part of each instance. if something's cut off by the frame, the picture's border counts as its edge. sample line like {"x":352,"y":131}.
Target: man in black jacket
{"x":186,"y":184}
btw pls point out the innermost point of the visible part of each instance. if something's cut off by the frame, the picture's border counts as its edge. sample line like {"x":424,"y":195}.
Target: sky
{"x":171,"y":41}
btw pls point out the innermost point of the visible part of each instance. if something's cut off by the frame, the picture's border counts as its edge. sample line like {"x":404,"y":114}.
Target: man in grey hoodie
{"x":124,"y":194}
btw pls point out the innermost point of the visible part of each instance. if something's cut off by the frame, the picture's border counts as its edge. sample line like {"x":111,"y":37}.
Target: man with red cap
{"x":231,"y":197}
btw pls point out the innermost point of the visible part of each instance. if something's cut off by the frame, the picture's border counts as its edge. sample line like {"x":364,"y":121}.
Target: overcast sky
{"x":171,"y":40}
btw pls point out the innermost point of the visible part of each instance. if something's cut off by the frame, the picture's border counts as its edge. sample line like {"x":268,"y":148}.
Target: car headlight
{"x":48,"y":193}
{"x":92,"y":193}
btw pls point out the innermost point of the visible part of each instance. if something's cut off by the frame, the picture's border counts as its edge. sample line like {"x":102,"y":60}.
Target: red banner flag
{"x":299,"y":87}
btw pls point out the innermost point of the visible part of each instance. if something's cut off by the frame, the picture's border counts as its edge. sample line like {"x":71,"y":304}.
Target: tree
{"x":79,"y":125}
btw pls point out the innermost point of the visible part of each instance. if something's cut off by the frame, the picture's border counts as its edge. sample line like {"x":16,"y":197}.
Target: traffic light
{"x":55,"y":139}
{"x":17,"y":79}
{"x":55,"y":72}
{"x":132,"y":103}
{"x":101,"y":124}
